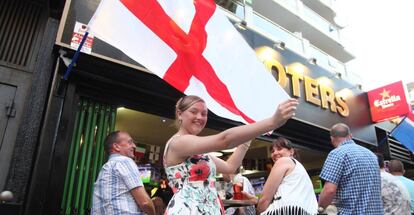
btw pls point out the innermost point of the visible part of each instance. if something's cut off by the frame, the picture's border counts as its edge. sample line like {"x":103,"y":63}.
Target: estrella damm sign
{"x":388,"y":102}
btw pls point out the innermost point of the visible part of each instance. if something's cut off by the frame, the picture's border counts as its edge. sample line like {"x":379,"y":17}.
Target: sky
{"x":380,"y":34}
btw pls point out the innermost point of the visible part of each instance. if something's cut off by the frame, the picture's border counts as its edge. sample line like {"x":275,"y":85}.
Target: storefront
{"x":108,"y":91}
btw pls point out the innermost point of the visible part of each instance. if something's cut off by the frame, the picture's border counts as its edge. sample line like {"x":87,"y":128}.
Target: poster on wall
{"x":78,"y":33}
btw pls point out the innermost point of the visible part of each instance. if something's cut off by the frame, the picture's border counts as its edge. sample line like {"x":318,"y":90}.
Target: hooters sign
{"x":194,"y":47}
{"x":388,"y":102}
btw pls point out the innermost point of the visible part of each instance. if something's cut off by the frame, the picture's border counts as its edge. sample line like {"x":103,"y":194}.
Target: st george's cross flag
{"x":194,"y":47}
{"x":404,"y":132}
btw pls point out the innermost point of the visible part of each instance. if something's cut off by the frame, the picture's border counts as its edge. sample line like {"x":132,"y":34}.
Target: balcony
{"x":292,"y":42}
{"x":296,"y":44}
{"x":294,"y":16}
{"x":323,"y":7}
{"x":277,"y":33}
{"x":326,"y":61}
{"x":353,"y":77}
{"x":234,"y":6}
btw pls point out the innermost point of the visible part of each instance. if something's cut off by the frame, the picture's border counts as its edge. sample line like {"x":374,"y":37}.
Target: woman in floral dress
{"x":191,"y":171}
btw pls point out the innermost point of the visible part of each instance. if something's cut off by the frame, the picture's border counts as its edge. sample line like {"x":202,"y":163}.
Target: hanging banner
{"x":194,"y":47}
{"x":388,"y":102}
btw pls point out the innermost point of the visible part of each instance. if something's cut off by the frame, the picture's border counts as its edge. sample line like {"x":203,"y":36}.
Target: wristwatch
{"x":320,"y":209}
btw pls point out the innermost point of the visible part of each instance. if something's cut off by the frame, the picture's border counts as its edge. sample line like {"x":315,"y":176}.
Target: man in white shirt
{"x":396,"y":168}
{"x":118,"y":188}
{"x":394,"y":195}
{"x":247,"y":187}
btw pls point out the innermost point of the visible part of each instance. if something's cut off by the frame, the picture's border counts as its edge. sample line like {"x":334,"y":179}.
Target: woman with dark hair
{"x":288,"y":189}
{"x":191,"y":171}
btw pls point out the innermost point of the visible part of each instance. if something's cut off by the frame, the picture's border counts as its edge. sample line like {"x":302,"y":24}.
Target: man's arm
{"x":331,"y":173}
{"x":327,"y":195}
{"x":143,"y":200}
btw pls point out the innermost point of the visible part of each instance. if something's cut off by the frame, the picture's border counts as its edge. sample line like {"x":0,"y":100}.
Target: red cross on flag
{"x":194,"y":47}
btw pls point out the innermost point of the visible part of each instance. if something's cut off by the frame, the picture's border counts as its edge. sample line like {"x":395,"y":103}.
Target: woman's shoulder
{"x":172,"y":142}
{"x":284,"y":163}
{"x":179,"y":138}
{"x":286,"y":160}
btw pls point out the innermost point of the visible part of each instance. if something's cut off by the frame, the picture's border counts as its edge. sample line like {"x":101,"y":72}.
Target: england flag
{"x":194,"y":47}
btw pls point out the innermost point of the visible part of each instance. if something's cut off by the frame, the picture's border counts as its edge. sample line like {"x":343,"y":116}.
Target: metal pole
{"x":75,"y":57}
{"x":70,"y":160}
{"x":98,"y":146}
{"x":113,"y":119}
{"x":75,"y":156}
{"x":83,"y":157}
{"x":89,"y":144}
{"x":104,"y":133}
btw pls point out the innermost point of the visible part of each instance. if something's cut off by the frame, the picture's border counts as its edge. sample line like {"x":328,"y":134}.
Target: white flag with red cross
{"x":194,"y":47}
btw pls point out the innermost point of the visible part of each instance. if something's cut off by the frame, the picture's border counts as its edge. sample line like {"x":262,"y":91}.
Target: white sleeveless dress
{"x":295,"y":195}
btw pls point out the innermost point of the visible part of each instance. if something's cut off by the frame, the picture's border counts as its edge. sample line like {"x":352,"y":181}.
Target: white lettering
{"x":386,"y":103}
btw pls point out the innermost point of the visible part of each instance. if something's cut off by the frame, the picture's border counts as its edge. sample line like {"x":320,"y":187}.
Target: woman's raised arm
{"x":187,"y":145}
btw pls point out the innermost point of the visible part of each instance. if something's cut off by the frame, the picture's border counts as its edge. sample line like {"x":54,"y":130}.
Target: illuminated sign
{"x":388,"y":102}
{"x":316,"y":91}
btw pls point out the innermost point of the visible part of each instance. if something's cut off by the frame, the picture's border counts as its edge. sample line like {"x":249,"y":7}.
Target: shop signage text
{"x":315,"y":93}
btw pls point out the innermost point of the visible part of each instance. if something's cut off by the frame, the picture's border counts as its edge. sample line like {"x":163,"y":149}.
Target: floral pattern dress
{"x":193,"y":183}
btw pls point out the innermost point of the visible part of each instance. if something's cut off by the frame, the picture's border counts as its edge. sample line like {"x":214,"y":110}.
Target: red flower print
{"x":174,"y":189}
{"x":199,"y":172}
{"x":177,"y":175}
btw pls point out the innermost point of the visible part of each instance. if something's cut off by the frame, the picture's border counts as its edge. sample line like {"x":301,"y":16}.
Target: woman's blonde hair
{"x":183,"y":104}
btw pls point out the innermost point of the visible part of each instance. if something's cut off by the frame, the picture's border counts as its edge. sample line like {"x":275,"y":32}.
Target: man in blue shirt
{"x":118,"y":188}
{"x":351,"y":173}
{"x":396,"y":168}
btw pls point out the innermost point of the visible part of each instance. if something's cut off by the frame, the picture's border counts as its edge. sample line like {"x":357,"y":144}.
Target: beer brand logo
{"x":387,"y":100}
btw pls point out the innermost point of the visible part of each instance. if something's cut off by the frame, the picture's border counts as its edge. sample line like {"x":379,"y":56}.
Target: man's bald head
{"x":340,"y":130}
{"x":339,"y":133}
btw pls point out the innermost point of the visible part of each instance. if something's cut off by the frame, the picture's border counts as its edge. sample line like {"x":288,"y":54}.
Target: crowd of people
{"x":356,"y":180}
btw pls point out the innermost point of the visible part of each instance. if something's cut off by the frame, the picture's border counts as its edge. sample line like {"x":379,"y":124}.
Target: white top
{"x":295,"y":194}
{"x":248,"y":188}
{"x":394,"y":195}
